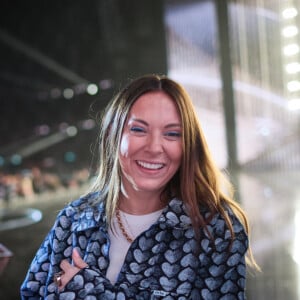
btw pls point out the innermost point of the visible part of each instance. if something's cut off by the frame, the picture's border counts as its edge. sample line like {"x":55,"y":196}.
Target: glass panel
{"x":193,"y":61}
{"x":266,"y":65}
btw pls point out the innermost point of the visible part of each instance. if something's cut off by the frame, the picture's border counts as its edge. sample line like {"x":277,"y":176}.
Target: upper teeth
{"x":150,"y":165}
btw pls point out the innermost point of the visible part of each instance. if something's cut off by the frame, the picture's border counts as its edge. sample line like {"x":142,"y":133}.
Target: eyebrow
{"x":167,"y":126}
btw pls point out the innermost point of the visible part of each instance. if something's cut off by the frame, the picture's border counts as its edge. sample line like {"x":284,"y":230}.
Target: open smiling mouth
{"x":150,"y":166}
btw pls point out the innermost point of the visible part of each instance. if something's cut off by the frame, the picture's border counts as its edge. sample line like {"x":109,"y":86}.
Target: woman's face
{"x":151,"y":143}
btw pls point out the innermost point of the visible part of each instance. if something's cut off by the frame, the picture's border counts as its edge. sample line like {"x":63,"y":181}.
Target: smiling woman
{"x":156,"y":223}
{"x":150,"y":152}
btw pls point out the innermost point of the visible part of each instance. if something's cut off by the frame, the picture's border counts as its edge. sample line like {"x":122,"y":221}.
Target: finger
{"x":77,"y":260}
{"x":65,"y":265}
{"x":68,"y":273}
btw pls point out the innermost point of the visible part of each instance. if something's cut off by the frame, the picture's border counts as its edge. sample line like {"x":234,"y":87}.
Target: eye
{"x":173,"y":134}
{"x":137,"y":130}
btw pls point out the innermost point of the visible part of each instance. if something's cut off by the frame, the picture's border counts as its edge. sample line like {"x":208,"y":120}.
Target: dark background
{"x":49,"y":46}
{"x":45,"y":48}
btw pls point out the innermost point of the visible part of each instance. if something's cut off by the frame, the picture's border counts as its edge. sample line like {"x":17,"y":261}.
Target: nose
{"x":155,"y":143}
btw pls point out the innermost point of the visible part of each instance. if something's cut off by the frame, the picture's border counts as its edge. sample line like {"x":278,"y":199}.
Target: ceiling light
{"x":291,"y":49}
{"x":293,"y":86}
{"x":289,"y":13}
{"x":290,"y":31}
{"x":292,"y":68}
{"x":92,"y":89}
{"x":68,"y":93}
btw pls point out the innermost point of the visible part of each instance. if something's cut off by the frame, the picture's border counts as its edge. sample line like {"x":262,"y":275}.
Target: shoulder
{"x":219,"y":230}
{"x":84,"y":202}
{"x":87,"y":207}
{"x":217,"y":221}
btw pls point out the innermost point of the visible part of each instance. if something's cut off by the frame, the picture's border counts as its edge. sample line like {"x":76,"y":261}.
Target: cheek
{"x":177,"y":153}
{"x":124,"y":146}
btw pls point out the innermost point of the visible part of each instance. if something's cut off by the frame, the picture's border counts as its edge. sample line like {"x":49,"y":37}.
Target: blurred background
{"x":62,"y":61}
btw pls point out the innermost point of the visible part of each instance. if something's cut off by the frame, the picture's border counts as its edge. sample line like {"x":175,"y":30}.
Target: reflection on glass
{"x":296,"y":249}
{"x":267,"y":100}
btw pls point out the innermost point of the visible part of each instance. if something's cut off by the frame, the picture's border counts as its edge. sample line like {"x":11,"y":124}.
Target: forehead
{"x":157,"y":102}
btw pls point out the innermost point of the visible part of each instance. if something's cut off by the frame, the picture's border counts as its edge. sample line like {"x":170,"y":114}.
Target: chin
{"x":149,"y":188}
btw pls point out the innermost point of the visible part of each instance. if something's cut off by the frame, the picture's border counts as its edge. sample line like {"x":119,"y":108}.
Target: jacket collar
{"x":175,"y":215}
{"x":88,"y":216}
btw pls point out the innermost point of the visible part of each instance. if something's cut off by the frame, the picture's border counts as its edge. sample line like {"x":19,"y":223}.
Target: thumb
{"x":77,"y":260}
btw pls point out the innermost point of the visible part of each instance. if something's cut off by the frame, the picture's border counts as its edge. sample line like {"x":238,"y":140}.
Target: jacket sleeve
{"x":223,"y":268}
{"x":39,"y":278}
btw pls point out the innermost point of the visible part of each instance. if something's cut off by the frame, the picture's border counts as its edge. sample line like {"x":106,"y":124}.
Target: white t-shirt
{"x":134,"y":225}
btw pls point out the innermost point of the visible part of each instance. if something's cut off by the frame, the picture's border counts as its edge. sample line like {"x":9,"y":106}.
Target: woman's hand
{"x":69,"y":271}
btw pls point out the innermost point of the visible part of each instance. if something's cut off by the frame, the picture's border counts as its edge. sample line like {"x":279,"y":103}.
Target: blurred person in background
{"x":156,"y":223}
{"x":5,"y":256}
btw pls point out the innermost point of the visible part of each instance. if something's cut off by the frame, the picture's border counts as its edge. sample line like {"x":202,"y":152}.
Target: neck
{"x":140,"y":203}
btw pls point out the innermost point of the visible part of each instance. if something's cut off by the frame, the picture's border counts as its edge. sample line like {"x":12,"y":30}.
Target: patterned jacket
{"x":164,"y":262}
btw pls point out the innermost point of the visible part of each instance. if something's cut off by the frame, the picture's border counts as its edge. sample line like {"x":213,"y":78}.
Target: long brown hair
{"x":198,"y":182}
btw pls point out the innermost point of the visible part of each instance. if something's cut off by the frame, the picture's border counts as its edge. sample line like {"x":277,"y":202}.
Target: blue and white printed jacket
{"x":164,"y":262}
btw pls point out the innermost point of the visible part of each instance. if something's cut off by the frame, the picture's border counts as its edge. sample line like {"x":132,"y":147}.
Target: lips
{"x":150,"y":166}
